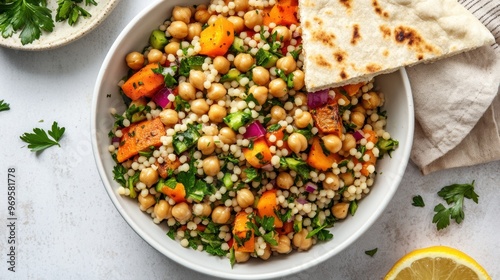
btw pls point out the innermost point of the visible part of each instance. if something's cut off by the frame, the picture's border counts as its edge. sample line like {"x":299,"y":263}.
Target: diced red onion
{"x":301,"y":200}
{"x":115,"y":139}
{"x":268,"y":167}
{"x":358,"y":135}
{"x":317,"y":99}
{"x":161,"y":97}
{"x":254,"y":130}
{"x":311,"y":187}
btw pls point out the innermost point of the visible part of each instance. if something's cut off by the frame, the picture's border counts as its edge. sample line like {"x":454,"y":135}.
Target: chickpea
{"x":243,"y":62}
{"x":284,"y":180}
{"x":260,"y":75}
{"x":197,"y":78}
{"x":227,"y":135}
{"x":194,"y":29}
{"x":372,"y":102}
{"x":303,"y":120}
{"x":221,"y":64}
{"x":332,"y":143}
{"x":298,"y":79}
{"x":172,"y":48}
{"x":331,"y":182}
{"x":267,"y":253}
{"x":154,"y":56}
{"x":221,"y":214}
{"x":169,"y":117}
{"x":148,"y":176}
{"x":347,"y":178}
{"x":211,"y":165}
{"x":241,"y":257}
{"x":212,"y":19}
{"x":253,"y":18}
{"x":259,"y":93}
{"x":278,"y":113}
{"x":182,"y":212}
{"x":282,"y":33}
{"x":358,"y":119}
{"x":181,"y":14}
{"x":348,"y":143}
{"x":199,"y":106}
{"x":301,"y":242}
{"x":287,"y":64}
{"x":277,"y":88}
{"x":206,"y":144}
{"x":216,"y":91}
{"x":187,"y":91}
{"x":245,"y":198}
{"x":217,"y":113}
{"x":339,"y":210}
{"x":146,"y":201}
{"x":135,"y":60}
{"x":138,"y":102}
{"x":202,"y":16}
{"x":178,"y":29}
{"x":283,"y":246}
{"x":302,"y":97}
{"x":297,"y":142}
{"x":238,"y":23}
{"x":204,"y":209}
{"x":359,"y":108}
{"x":163,"y":210}
{"x":240,"y":5}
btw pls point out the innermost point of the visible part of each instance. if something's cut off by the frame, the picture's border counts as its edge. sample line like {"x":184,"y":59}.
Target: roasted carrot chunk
{"x":166,"y":165}
{"x":283,"y":13}
{"x":178,"y":194}
{"x":277,"y":135}
{"x":353,"y":89}
{"x":317,"y":157}
{"x":217,"y":38}
{"x":243,"y":233}
{"x":140,"y":136}
{"x":259,"y":154}
{"x":267,"y":205}
{"x":144,"y":83}
{"x":365,"y":164}
{"x":327,"y":118}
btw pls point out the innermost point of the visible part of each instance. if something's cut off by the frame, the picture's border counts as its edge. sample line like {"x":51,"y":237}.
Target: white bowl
{"x":399,"y":106}
{"x":63,"y":33}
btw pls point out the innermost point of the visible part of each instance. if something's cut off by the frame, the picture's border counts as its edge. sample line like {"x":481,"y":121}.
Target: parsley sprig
{"x":71,"y":11}
{"x":454,"y":195}
{"x":39,"y":140}
{"x":4,"y":106}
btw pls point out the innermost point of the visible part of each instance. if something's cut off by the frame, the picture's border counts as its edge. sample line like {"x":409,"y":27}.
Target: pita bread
{"x":351,"y":41}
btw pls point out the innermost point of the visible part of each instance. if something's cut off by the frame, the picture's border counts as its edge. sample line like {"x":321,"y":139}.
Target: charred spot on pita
{"x":343,"y":75}
{"x":372,"y":67}
{"x":385,"y":30}
{"x":324,"y":37}
{"x":322,"y":61}
{"x":355,"y":34}
{"x":346,"y":3}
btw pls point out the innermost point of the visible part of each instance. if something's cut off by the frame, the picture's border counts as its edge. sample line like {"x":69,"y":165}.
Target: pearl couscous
{"x":222,"y":142}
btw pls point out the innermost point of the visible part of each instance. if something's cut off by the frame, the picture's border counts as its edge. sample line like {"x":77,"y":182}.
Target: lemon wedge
{"x":438,"y":262}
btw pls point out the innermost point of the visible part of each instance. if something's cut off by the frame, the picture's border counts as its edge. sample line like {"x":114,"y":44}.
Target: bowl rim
{"x":170,"y":254}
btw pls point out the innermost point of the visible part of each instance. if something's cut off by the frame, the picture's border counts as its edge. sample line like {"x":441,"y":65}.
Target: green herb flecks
{"x":4,"y":106}
{"x":71,"y":10}
{"x":371,"y":252}
{"x":39,"y":140}
{"x":454,"y":196}
{"x":418,"y":201}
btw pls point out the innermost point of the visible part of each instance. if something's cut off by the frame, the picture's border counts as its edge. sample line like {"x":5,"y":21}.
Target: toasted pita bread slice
{"x":350,"y":41}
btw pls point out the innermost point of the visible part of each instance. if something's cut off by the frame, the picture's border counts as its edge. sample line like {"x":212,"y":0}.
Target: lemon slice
{"x":438,"y":262}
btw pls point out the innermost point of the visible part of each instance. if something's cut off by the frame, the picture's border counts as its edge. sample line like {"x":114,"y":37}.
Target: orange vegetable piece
{"x":286,"y":229}
{"x":140,"y":136}
{"x":240,"y":229}
{"x":178,"y":194}
{"x":144,"y":83}
{"x":327,"y":118}
{"x":353,"y":89}
{"x":317,"y":157}
{"x":267,"y":205}
{"x":279,"y":135}
{"x":283,"y":13}
{"x":217,"y":38}
{"x":259,"y":155}
{"x":166,"y":165}
{"x":370,"y":135}
{"x":365,"y":164}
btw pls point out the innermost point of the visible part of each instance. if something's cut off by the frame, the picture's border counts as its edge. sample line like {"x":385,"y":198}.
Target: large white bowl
{"x":399,"y":106}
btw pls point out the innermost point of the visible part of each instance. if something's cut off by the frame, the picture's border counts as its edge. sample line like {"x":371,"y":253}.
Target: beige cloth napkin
{"x":457,"y":102}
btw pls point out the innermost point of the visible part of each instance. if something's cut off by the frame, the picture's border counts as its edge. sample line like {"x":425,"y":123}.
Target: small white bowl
{"x":63,"y":33}
{"x":399,"y":106}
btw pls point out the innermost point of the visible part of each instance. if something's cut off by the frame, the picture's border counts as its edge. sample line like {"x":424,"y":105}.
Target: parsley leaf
{"x":39,"y":140}
{"x":71,"y":11}
{"x":29,"y":16}
{"x":454,"y":195}
{"x":4,"y":106}
{"x":418,"y":201}
{"x":371,"y":252}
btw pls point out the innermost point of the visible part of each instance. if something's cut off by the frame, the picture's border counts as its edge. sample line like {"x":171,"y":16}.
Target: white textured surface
{"x":69,"y":229}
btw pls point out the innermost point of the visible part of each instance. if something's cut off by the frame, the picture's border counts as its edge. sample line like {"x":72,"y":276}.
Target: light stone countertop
{"x":67,"y":227}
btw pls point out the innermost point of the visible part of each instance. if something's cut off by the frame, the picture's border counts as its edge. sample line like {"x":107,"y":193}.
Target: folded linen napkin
{"x":457,"y":102}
